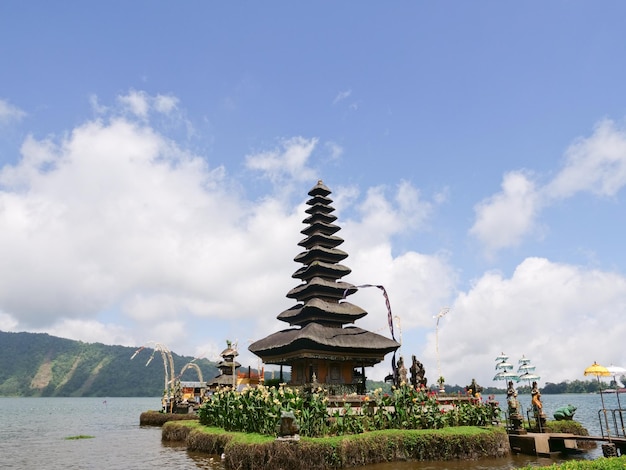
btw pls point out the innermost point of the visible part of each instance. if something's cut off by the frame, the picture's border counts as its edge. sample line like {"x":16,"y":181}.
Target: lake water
{"x":33,"y":434}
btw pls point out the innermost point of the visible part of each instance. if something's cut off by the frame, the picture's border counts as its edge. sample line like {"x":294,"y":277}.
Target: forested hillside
{"x":36,"y":364}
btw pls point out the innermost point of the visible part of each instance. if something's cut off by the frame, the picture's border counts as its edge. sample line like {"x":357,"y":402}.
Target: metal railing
{"x":612,"y":422}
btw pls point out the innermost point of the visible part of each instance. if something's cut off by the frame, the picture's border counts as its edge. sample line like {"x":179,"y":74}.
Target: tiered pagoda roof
{"x":320,"y":316}
{"x":227,"y":366}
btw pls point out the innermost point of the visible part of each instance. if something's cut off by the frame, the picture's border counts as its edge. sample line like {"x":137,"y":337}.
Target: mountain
{"x":40,"y":365}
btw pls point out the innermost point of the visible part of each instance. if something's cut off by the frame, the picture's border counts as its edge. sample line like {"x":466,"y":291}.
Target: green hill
{"x":37,"y":364}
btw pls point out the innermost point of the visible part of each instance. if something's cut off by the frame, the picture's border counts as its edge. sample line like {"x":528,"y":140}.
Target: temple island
{"x":326,"y":399}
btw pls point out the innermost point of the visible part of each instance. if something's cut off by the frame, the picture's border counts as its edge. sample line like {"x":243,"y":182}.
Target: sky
{"x":155,"y":160}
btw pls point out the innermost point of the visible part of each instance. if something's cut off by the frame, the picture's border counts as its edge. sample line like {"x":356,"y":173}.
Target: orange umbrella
{"x":600,"y":371}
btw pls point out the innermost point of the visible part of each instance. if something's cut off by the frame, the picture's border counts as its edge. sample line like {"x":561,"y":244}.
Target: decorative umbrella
{"x":504,"y":369}
{"x":530,"y":377}
{"x":506,"y":375}
{"x":503,"y":365}
{"x":600,"y":371}
{"x":502,"y":357}
{"x":615,"y":371}
{"x":526,"y":370}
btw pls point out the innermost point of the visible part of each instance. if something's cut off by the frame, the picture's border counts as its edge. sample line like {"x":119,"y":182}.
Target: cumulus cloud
{"x":381,"y":216}
{"x":288,"y":161}
{"x":506,"y":218}
{"x":10,"y":113}
{"x":556,"y":314}
{"x":595,"y":165}
{"x":115,"y":217}
{"x":115,"y":232}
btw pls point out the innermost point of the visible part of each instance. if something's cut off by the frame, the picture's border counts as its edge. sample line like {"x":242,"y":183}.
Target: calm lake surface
{"x":33,"y":434}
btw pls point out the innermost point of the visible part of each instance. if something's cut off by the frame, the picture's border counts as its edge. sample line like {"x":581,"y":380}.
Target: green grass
{"x":613,"y":463}
{"x":80,"y":436}
{"x":254,"y":438}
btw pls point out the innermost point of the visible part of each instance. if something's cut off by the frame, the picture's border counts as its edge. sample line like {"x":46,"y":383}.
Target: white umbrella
{"x":530,"y":377}
{"x":502,"y":357}
{"x":615,"y":371}
{"x":503,"y":365}
{"x":506,"y":375}
{"x":526,"y":368}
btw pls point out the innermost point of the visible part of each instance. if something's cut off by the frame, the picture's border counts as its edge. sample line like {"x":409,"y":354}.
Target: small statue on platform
{"x":540,"y":416}
{"x":515,"y":417}
{"x":511,"y":398}
{"x":474,"y":389}
{"x":288,"y":427}
{"x":402,"y":371}
{"x":417,"y":374}
{"x":536,"y":399}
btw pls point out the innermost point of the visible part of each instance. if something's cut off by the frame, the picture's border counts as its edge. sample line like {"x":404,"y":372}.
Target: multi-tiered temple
{"x":320,"y":347}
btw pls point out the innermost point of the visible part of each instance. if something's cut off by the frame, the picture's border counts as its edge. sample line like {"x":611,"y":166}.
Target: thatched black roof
{"x":319,"y":341}
{"x":321,"y":311}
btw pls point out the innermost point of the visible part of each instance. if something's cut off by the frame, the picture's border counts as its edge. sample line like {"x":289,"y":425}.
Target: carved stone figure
{"x":402,"y":371}
{"x":288,"y":426}
{"x":474,"y":389}
{"x":536,"y":399}
{"x":418,"y":378}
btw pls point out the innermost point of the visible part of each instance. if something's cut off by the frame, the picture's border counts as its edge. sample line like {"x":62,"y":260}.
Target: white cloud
{"x":381,"y":217}
{"x":287,"y":162}
{"x":505,"y":218}
{"x":136,"y":102}
{"x":335,"y":150}
{"x":114,"y":233}
{"x":7,"y":322}
{"x":92,"y":331}
{"x":596,"y":164}
{"x":165,"y":104}
{"x":563,"y":317}
{"x":97,"y":108}
{"x":10,"y":113}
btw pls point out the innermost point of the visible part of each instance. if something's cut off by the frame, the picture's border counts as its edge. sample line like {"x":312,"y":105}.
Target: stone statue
{"x":511,"y":399}
{"x":288,"y":427}
{"x":540,"y":416}
{"x":417,"y":374}
{"x":474,"y":389}
{"x":536,"y":399}
{"x":402,"y":371}
{"x":513,"y":410}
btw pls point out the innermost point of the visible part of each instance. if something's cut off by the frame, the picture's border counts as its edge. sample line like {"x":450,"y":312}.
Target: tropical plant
{"x":259,"y":410}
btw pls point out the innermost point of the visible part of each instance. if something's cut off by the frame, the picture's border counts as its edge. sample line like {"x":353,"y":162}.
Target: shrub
{"x":258,"y":410}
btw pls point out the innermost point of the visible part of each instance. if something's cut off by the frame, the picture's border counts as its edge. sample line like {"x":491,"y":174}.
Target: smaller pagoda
{"x":320,"y":347}
{"x":227,"y":367}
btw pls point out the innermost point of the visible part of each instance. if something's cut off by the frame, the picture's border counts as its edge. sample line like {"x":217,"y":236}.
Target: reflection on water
{"x":34,"y":431}
{"x":505,"y":463}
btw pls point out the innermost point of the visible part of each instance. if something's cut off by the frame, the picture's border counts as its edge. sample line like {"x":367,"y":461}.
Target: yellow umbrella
{"x":600,"y":371}
{"x":597,"y":370}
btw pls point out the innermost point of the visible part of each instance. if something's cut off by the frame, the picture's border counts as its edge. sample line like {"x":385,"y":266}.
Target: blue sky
{"x":155,"y":158}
